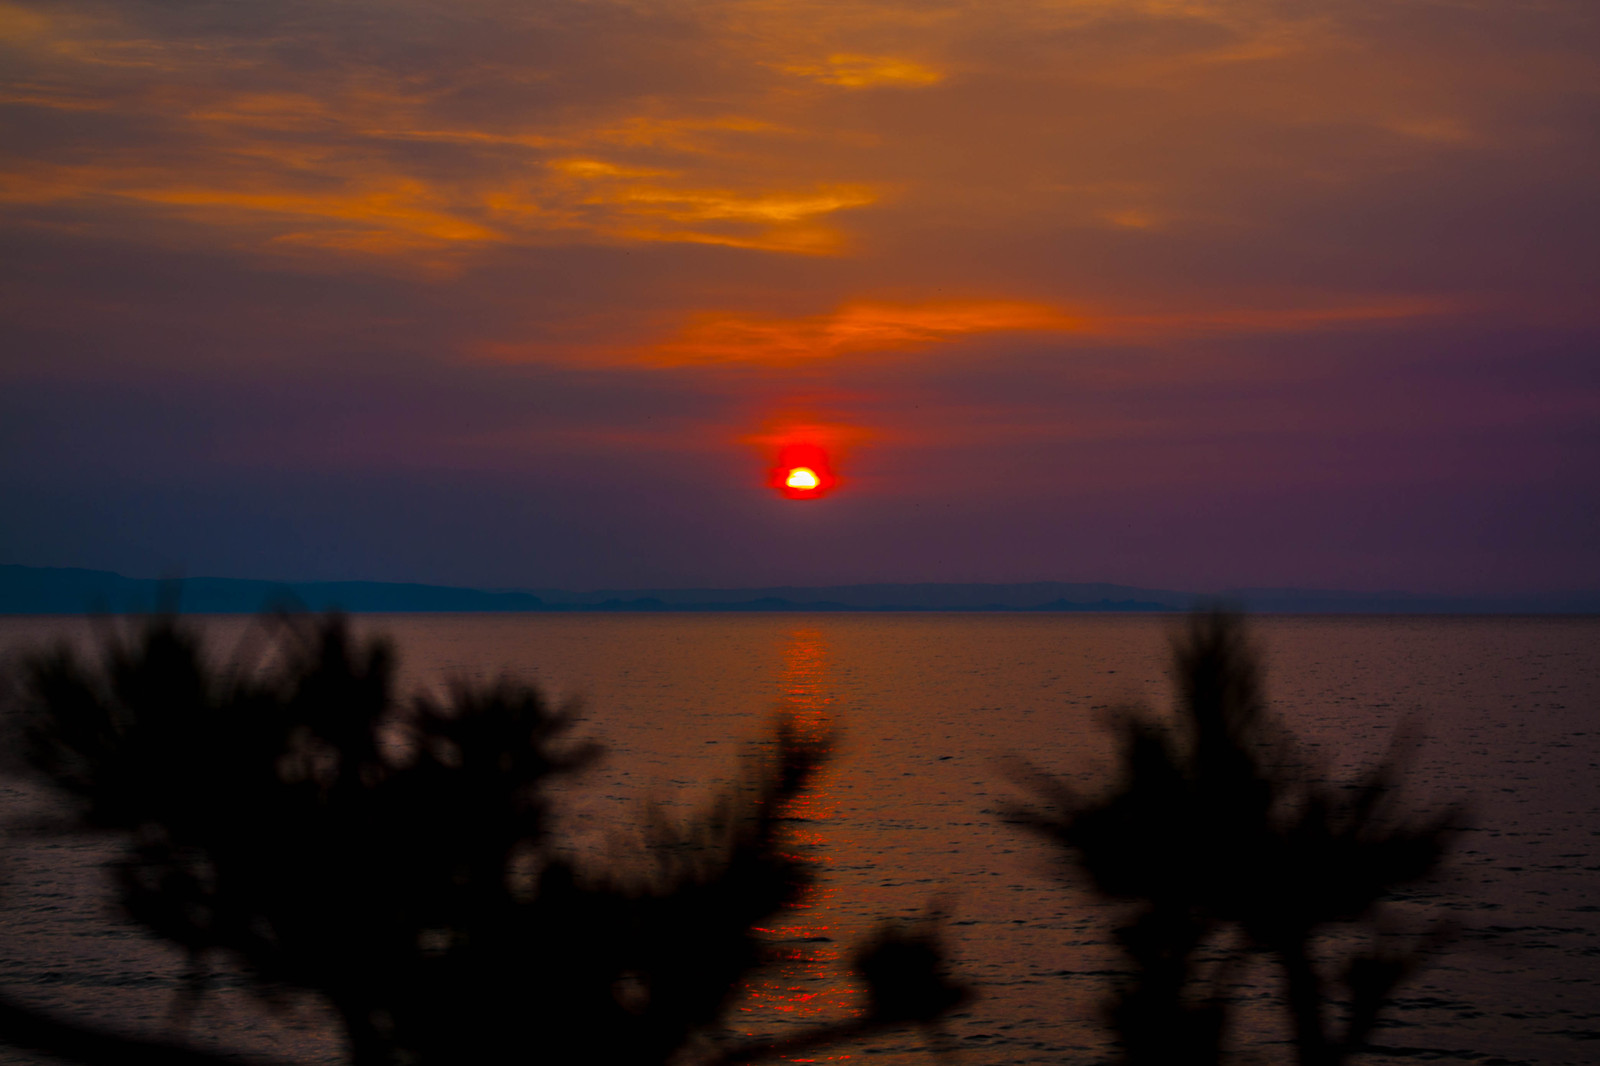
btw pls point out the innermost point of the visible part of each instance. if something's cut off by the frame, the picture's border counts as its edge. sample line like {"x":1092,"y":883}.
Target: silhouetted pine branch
{"x":394,"y":857}
{"x":1217,"y":834}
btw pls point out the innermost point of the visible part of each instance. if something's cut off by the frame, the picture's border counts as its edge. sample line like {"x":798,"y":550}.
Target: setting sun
{"x":803,"y":472}
{"x":802,"y":478}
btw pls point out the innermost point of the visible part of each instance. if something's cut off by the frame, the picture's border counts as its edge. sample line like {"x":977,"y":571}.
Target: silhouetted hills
{"x":51,"y":590}
{"x":58,"y":590}
{"x":1038,"y":595}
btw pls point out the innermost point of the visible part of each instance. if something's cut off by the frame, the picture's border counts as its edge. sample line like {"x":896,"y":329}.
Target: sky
{"x":1188,"y":294}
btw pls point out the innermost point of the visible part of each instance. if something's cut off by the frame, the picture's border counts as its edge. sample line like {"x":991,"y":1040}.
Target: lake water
{"x":929,"y":710}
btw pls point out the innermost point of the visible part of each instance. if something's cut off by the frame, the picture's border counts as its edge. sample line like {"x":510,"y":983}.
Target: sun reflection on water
{"x":807,"y":980}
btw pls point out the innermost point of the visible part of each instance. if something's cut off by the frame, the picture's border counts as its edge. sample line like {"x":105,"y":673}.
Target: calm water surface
{"x":929,"y":709}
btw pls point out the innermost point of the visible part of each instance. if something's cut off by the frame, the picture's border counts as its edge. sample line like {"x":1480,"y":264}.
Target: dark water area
{"x":929,"y":710}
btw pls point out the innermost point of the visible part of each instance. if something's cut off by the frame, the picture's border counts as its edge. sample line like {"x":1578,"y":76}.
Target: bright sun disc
{"x":803,"y":472}
{"x":802,"y":477}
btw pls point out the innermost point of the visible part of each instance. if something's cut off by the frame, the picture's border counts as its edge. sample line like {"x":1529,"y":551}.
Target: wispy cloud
{"x":221,"y":132}
{"x":854,"y":328}
{"x":863,"y":72}
{"x":859,"y":328}
{"x":869,"y":329}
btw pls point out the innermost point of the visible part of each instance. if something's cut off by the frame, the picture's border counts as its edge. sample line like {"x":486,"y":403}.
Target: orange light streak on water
{"x":806,"y":982}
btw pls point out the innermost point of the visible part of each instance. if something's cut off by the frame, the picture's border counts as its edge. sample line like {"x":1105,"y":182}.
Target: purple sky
{"x":1182,"y":294}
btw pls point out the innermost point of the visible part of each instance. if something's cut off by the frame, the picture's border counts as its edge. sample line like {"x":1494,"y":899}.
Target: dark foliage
{"x":395,"y":856}
{"x":1226,"y":843}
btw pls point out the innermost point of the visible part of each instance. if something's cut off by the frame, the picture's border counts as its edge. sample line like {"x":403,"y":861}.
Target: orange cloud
{"x":643,"y":204}
{"x":693,"y":205}
{"x":355,"y":201}
{"x":862,"y":72}
{"x":856,"y":327}
{"x":1205,"y":121}
{"x":396,"y":211}
{"x":878,"y":327}
{"x":274,"y":160}
{"x":403,"y":208}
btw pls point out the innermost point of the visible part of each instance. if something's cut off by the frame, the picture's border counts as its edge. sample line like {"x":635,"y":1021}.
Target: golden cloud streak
{"x":373,"y":210}
{"x":862,"y":72}
{"x":860,"y":328}
{"x":398,"y":208}
{"x":687,"y":205}
{"x":661,"y":211}
{"x":868,"y":328}
{"x":793,"y":240}
{"x":409,"y":213}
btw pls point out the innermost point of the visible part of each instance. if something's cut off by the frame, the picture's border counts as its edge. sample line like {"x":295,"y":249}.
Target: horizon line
{"x":26,"y":589}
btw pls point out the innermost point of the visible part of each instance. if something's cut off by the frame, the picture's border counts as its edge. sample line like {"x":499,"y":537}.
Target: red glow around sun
{"x":803,"y":472}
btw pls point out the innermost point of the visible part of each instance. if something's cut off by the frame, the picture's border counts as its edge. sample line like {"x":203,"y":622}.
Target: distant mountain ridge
{"x":59,"y":590}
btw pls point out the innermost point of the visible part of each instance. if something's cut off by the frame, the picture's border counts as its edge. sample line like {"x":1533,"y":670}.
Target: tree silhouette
{"x":395,"y":856}
{"x":1225,"y":843}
